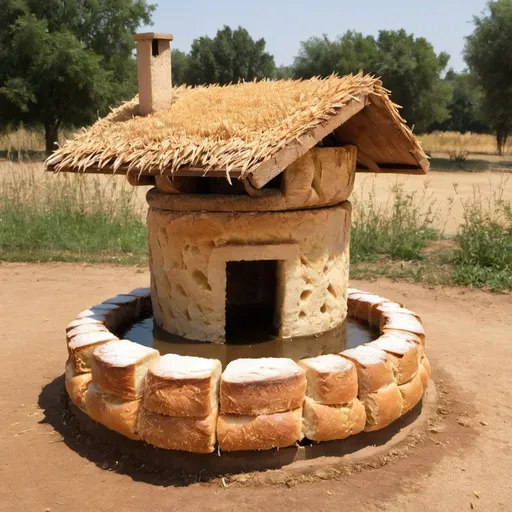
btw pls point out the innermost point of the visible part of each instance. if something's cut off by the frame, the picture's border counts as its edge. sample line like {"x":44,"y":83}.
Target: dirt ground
{"x":463,"y":463}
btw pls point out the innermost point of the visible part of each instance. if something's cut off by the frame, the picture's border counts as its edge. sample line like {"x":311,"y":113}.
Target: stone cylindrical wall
{"x":189,"y":252}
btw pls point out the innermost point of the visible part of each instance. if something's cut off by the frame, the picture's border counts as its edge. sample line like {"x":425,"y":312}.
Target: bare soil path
{"x":464,"y":463}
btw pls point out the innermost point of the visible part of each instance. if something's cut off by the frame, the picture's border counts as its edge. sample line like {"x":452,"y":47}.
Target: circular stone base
{"x":296,"y":459}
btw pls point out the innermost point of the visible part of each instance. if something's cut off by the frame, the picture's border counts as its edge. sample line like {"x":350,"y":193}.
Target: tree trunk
{"x":51,"y":135}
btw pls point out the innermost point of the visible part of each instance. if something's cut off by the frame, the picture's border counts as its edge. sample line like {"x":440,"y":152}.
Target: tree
{"x":65,"y":62}
{"x":408,"y":66}
{"x":231,"y":56}
{"x":465,"y":108}
{"x":488,"y":53}
{"x":179,"y":64}
{"x":349,"y":53}
{"x":412,"y":71}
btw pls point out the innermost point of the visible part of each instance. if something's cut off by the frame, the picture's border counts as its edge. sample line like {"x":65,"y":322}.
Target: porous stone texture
{"x":189,"y":251}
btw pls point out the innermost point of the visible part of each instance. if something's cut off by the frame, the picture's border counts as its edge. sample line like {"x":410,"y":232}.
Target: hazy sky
{"x":284,"y":24}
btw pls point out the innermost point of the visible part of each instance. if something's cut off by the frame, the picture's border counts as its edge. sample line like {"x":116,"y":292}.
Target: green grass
{"x":399,"y":229}
{"x":68,"y":218}
{"x":484,"y":254}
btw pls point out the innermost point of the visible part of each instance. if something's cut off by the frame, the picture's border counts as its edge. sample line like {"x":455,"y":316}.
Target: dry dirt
{"x":464,"y":463}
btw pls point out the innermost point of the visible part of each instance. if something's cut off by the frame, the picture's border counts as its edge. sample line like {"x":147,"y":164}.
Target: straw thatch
{"x":245,"y":127}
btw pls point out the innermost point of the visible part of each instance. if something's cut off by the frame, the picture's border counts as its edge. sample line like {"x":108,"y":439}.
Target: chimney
{"x":154,"y":72}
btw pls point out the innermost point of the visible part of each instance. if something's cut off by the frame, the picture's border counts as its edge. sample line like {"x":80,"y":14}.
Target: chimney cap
{"x":153,"y":35}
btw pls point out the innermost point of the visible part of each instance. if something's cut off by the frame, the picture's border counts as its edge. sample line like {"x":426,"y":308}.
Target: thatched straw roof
{"x":255,"y":129}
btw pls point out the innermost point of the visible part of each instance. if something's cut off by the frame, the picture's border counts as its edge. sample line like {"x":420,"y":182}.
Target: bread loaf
{"x":112,"y":411}
{"x":120,"y":367}
{"x":140,"y":292}
{"x":403,"y":355}
{"x":182,"y":386}
{"x":411,"y":392}
{"x":374,"y":369}
{"x":329,"y":422}
{"x":408,"y":336}
{"x":192,"y":434}
{"x":360,"y":305}
{"x":425,"y":372}
{"x":89,"y":320}
{"x":393,"y":320}
{"x":261,"y":386}
{"x":262,"y":432}
{"x":82,"y":346}
{"x":144,"y":295}
{"x":99,"y":309}
{"x":84,"y":329}
{"x":331,"y":379}
{"x":76,"y":385}
{"x":387,"y":307}
{"x":382,"y":407}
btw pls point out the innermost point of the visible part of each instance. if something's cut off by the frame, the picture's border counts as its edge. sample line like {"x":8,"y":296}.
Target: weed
{"x":399,"y":228}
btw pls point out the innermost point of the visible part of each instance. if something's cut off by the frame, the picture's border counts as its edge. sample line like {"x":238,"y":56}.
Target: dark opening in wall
{"x":251,"y":298}
{"x":275,"y":183}
{"x":155,"y":50}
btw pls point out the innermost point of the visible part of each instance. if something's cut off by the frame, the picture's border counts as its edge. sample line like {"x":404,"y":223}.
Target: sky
{"x":284,"y":24}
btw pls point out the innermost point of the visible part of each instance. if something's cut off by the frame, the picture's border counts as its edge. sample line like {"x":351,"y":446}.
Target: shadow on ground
{"x":141,"y":462}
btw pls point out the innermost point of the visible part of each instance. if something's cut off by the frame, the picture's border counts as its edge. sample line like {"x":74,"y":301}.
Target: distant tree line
{"x":69,"y":61}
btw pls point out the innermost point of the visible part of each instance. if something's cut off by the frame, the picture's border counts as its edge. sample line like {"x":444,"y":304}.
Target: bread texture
{"x":382,"y":407}
{"x":329,"y":422}
{"x":81,"y":348}
{"x":192,"y":434}
{"x":425,"y":372}
{"x":182,"y":386}
{"x":262,"y":432}
{"x":360,"y":305}
{"x":99,"y":309}
{"x":112,"y":411}
{"x":84,"y":329}
{"x":407,"y":336}
{"x":402,"y":354}
{"x":331,"y":379}
{"x":411,"y":392}
{"x":261,"y":386}
{"x":120,"y":367}
{"x":397,"y":321}
{"x":378,"y":309}
{"x":76,"y":385}
{"x":89,"y":320}
{"x":373,"y":366}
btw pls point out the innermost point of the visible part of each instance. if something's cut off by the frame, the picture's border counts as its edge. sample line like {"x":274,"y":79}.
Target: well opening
{"x":251,"y":300}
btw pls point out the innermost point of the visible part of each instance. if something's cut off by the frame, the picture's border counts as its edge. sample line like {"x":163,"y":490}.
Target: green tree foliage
{"x":65,"y":62}
{"x":408,"y":66}
{"x":465,"y":108}
{"x":231,"y":56}
{"x":488,"y":53}
{"x":179,"y":65}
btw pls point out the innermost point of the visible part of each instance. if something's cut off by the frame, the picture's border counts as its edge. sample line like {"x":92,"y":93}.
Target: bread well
{"x":411,"y":392}
{"x":120,"y":367}
{"x":329,"y":422}
{"x":382,"y":407}
{"x":88,"y":320}
{"x":261,"y":432}
{"x":374,"y":369}
{"x":182,"y":386}
{"x":398,"y":321}
{"x":112,"y":411}
{"x":191,"y":434}
{"x":360,"y":305}
{"x":425,"y":372}
{"x":76,"y":385}
{"x":82,"y":346}
{"x":403,"y":355}
{"x":261,"y":386}
{"x":84,"y":329}
{"x":331,"y":379}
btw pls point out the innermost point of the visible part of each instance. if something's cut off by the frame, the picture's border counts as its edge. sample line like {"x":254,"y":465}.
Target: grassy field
{"x":397,"y":232}
{"x":68,"y":217}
